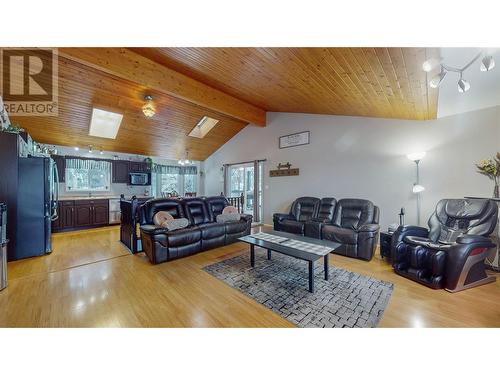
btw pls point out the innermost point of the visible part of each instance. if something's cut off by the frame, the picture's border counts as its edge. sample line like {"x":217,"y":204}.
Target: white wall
{"x":351,"y":157}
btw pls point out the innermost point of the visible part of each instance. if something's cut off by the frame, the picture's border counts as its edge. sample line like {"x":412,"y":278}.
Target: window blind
{"x":92,"y":164}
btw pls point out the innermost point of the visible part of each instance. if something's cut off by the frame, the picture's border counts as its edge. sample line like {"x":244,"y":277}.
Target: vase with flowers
{"x":491,"y":169}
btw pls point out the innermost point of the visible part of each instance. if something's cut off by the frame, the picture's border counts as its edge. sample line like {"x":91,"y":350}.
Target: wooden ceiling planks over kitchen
{"x":235,"y":85}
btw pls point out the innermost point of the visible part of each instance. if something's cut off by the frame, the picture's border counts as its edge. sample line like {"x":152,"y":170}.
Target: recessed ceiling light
{"x":203,"y":127}
{"x":105,"y":124}
{"x":77,"y":148}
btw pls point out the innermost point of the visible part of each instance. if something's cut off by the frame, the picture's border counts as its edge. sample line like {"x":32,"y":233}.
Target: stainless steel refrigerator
{"x":36,"y":207}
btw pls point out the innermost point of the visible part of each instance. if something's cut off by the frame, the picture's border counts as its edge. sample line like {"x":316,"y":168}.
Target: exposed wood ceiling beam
{"x":123,"y":63}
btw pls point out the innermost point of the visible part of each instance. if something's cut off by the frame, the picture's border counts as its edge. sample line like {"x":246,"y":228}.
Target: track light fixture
{"x":463,"y":85}
{"x":487,"y":64}
{"x":435,"y":82}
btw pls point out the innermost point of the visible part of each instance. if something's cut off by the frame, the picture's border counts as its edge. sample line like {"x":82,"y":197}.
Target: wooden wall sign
{"x":284,"y":170}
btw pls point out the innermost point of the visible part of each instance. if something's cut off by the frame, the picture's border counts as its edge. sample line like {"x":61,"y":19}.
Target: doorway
{"x":246,"y":179}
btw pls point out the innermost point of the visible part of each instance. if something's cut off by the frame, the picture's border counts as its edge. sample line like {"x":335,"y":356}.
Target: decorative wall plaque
{"x":284,"y":170}
{"x":296,"y":139}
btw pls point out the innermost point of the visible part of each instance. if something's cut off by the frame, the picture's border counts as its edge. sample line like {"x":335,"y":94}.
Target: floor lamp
{"x":417,"y":188}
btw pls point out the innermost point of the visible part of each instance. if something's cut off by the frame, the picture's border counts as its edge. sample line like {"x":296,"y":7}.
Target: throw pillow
{"x":230,"y":210}
{"x":162,"y":217}
{"x":223,"y":218}
{"x":176,"y":224}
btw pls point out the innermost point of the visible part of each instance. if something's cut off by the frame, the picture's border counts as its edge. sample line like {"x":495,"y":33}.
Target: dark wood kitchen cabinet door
{"x":100,"y":214}
{"x":120,"y":171}
{"x":83,"y":215}
{"x":67,"y":216}
{"x":61,"y":167}
{"x":139,"y":167}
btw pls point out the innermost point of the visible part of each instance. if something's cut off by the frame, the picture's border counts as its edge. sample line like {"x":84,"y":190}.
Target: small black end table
{"x":385,"y":244}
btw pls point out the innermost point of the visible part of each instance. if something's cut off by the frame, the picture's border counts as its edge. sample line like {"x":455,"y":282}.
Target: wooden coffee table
{"x":304,"y":248}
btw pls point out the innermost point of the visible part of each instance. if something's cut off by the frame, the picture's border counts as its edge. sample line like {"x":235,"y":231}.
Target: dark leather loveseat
{"x":451,"y":253}
{"x":351,"y":222}
{"x":203,"y":232}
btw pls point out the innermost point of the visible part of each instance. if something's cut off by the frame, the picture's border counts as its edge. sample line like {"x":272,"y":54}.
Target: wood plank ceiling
{"x":373,"y":82}
{"x":165,"y":134}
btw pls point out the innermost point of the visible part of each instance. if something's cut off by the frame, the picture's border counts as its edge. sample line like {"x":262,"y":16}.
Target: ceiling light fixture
{"x":463,"y":85}
{"x":430,"y":64}
{"x":185,"y":161}
{"x":435,"y":82}
{"x":148,"y":108}
{"x":487,"y":64}
{"x":90,"y":149}
{"x":77,"y":148}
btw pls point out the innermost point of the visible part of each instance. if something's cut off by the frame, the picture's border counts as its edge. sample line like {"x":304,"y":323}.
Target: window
{"x":170,"y":183}
{"x":175,"y":180}
{"x":87,"y":175}
{"x":190,"y":183}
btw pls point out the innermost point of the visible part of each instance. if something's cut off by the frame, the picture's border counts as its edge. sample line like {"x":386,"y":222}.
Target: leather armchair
{"x":324,"y":214}
{"x":302,"y":210}
{"x":451,"y":253}
{"x":355,"y":226}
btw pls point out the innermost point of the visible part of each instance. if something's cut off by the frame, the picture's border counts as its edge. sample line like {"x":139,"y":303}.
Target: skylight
{"x":105,"y":124}
{"x":203,"y":127}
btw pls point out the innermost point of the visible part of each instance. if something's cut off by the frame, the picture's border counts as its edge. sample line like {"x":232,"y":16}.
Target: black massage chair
{"x":451,"y":254}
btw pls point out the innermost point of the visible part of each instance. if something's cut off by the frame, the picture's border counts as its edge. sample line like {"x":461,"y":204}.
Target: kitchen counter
{"x":95,"y":197}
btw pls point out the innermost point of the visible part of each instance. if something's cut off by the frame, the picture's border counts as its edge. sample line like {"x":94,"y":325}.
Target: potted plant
{"x":491,"y":169}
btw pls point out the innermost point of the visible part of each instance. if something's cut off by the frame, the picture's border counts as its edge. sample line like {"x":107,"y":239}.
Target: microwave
{"x":139,"y":179}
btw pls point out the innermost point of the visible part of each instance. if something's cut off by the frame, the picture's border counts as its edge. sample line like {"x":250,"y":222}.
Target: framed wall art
{"x":295,"y":139}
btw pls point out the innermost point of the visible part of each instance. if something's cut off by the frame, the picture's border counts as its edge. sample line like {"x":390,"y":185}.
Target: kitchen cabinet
{"x":100,"y":213}
{"x":120,"y":170}
{"x":139,"y":167}
{"x":67,"y":214}
{"x":85,"y":213}
{"x":61,"y":167}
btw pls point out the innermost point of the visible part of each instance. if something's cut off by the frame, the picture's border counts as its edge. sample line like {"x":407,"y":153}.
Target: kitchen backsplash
{"x":115,"y":190}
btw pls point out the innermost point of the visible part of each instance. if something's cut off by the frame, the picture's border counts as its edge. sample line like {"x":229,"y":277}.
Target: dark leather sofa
{"x":351,"y":222}
{"x":203,"y":232}
{"x":451,"y":253}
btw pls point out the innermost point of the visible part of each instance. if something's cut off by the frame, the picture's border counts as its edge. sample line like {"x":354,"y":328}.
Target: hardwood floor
{"x":91,"y":280}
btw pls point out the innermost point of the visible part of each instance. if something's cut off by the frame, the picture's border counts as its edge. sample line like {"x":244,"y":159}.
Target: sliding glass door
{"x":242,"y":180}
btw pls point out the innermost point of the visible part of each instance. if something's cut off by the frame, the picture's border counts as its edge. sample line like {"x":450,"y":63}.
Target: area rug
{"x":347,"y":299}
